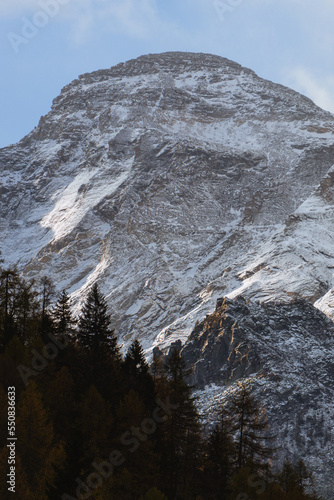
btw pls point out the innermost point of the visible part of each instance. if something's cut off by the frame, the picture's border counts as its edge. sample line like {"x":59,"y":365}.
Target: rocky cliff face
{"x":176,"y":179}
{"x":286,"y":352}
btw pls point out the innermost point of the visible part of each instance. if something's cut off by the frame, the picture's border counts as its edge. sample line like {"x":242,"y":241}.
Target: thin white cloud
{"x":132,"y":17}
{"x":137,"y":19}
{"x":320,"y":90}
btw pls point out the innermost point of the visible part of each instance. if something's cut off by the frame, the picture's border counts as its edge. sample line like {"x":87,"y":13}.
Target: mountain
{"x":174,"y":180}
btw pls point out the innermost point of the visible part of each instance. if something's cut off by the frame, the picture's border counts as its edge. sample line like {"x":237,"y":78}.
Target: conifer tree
{"x":18,"y":307}
{"x":250,"y":426}
{"x":10,"y":282}
{"x":137,"y":372}
{"x":47,"y":291}
{"x":9,"y":289}
{"x":287,"y":477}
{"x":294,"y":479}
{"x":304,"y":476}
{"x":27,"y":311}
{"x":63,"y":320}
{"x":137,"y":434}
{"x":182,"y":431}
{"x":219,"y":464}
{"x":135,"y":361}
{"x":159,"y":375}
{"x":157,"y":366}
{"x":94,"y":330}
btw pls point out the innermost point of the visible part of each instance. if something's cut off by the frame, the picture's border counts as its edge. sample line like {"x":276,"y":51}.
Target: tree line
{"x":93,"y":423}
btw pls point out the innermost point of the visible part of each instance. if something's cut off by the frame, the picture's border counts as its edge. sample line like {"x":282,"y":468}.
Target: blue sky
{"x":45,"y":44}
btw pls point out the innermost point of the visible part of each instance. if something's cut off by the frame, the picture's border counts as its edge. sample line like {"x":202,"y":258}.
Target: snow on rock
{"x":177,"y":170}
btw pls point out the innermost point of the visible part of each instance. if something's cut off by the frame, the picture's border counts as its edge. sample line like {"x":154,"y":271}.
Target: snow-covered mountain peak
{"x":173,"y":180}
{"x":169,"y":179}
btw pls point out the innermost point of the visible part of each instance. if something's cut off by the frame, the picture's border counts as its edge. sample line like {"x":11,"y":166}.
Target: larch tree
{"x":46,"y":292}
{"x":40,"y":452}
{"x":250,"y":427}
{"x":10,"y":284}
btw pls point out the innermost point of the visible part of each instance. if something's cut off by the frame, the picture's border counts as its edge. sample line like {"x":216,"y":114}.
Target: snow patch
{"x":80,"y":196}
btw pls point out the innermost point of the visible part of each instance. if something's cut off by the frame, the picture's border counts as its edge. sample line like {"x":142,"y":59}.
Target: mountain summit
{"x":173,"y":179}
